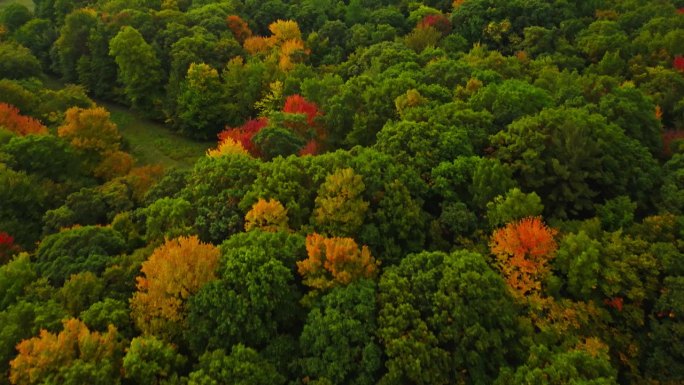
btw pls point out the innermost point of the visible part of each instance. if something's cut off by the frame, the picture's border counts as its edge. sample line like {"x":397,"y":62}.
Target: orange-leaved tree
{"x":52,"y":358}
{"x":175,"y":271}
{"x":238,"y":27}
{"x":12,"y":120}
{"x":285,"y":43}
{"x":90,"y":130}
{"x":523,"y":250}
{"x":267,"y":215}
{"x":335,"y":261}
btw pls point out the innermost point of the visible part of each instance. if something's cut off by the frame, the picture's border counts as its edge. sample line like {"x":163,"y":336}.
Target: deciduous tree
{"x":267,"y":216}
{"x":174,"y":272}
{"x":335,"y":261}
{"x":12,"y":120}
{"x":73,"y":356}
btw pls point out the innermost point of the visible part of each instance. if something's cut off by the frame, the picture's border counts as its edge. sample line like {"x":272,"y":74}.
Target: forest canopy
{"x":393,"y":192}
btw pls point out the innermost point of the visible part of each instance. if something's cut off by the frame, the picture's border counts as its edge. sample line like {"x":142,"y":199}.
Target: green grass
{"x":27,"y":3}
{"x":149,"y":142}
{"x":152,"y":143}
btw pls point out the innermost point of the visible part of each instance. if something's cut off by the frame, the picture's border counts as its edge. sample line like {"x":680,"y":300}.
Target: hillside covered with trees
{"x":398,"y":192}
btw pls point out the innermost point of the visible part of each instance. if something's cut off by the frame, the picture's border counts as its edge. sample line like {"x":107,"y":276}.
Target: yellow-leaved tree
{"x":335,"y":261}
{"x":175,"y":271}
{"x":75,"y":352}
{"x":267,"y":215}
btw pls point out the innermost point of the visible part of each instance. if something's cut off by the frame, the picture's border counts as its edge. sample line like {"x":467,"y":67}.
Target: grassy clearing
{"x":27,"y":3}
{"x":152,"y":143}
{"x":149,"y":142}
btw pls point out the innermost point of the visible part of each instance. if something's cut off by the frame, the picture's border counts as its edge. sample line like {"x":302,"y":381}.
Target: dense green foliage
{"x":401,"y":192}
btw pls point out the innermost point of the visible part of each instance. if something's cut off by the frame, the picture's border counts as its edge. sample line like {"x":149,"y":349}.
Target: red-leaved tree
{"x":244,"y":134}
{"x":436,"y":21}
{"x":11,"y":119}
{"x":678,"y":63}
{"x":7,"y":247}
{"x":238,"y":27}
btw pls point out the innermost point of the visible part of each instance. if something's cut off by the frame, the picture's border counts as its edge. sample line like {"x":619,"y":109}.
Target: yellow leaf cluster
{"x":175,"y":271}
{"x":335,"y":261}
{"x":227,"y":147}
{"x":284,"y":30}
{"x":40,"y":357}
{"x":90,"y":129}
{"x":267,"y":216}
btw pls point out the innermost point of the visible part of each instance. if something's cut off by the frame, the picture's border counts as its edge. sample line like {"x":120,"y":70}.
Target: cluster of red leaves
{"x":244,"y":134}
{"x":523,"y":250}
{"x":238,"y":27}
{"x":11,"y":119}
{"x":615,"y":303}
{"x":294,"y":104}
{"x":680,"y":11}
{"x":438,"y":22}
{"x":670,"y":136}
{"x":678,"y":63}
{"x":7,"y":247}
{"x":311,"y":148}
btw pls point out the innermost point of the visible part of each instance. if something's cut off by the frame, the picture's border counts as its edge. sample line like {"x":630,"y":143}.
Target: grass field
{"x":152,"y":143}
{"x":149,"y":142}
{"x":27,"y":3}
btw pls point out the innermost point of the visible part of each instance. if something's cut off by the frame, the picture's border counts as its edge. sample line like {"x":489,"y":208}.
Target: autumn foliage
{"x":285,"y":44}
{"x":238,"y":27}
{"x":227,"y":146}
{"x":335,"y":261}
{"x":296,"y":104}
{"x":12,"y":120}
{"x":90,"y":130}
{"x":436,"y":21}
{"x":267,"y":215}
{"x":175,"y":271}
{"x":243,"y":135}
{"x":7,"y":247}
{"x":678,"y":63}
{"x":523,"y":250}
{"x":48,"y":357}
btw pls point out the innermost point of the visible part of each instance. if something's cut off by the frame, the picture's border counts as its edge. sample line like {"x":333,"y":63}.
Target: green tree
{"x":340,"y":208}
{"x":87,"y":248}
{"x":600,"y":37}
{"x":44,"y":155}
{"x":423,"y":145}
{"x":337,"y":342}
{"x":79,"y":292}
{"x":199,"y":103}
{"x":631,"y":109}
{"x":252,"y":302}
{"x":168,"y":218}
{"x":510,"y":100}
{"x":547,"y":367}
{"x":38,"y":35}
{"x":244,"y":366}
{"x":149,"y":361}
{"x":445,"y":318}
{"x":72,"y":42}
{"x":17,"y":61}
{"x":571,"y":157}
{"x":214,"y":188}
{"x":14,"y":15}
{"x":513,"y":206}
{"x":139,"y":69}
